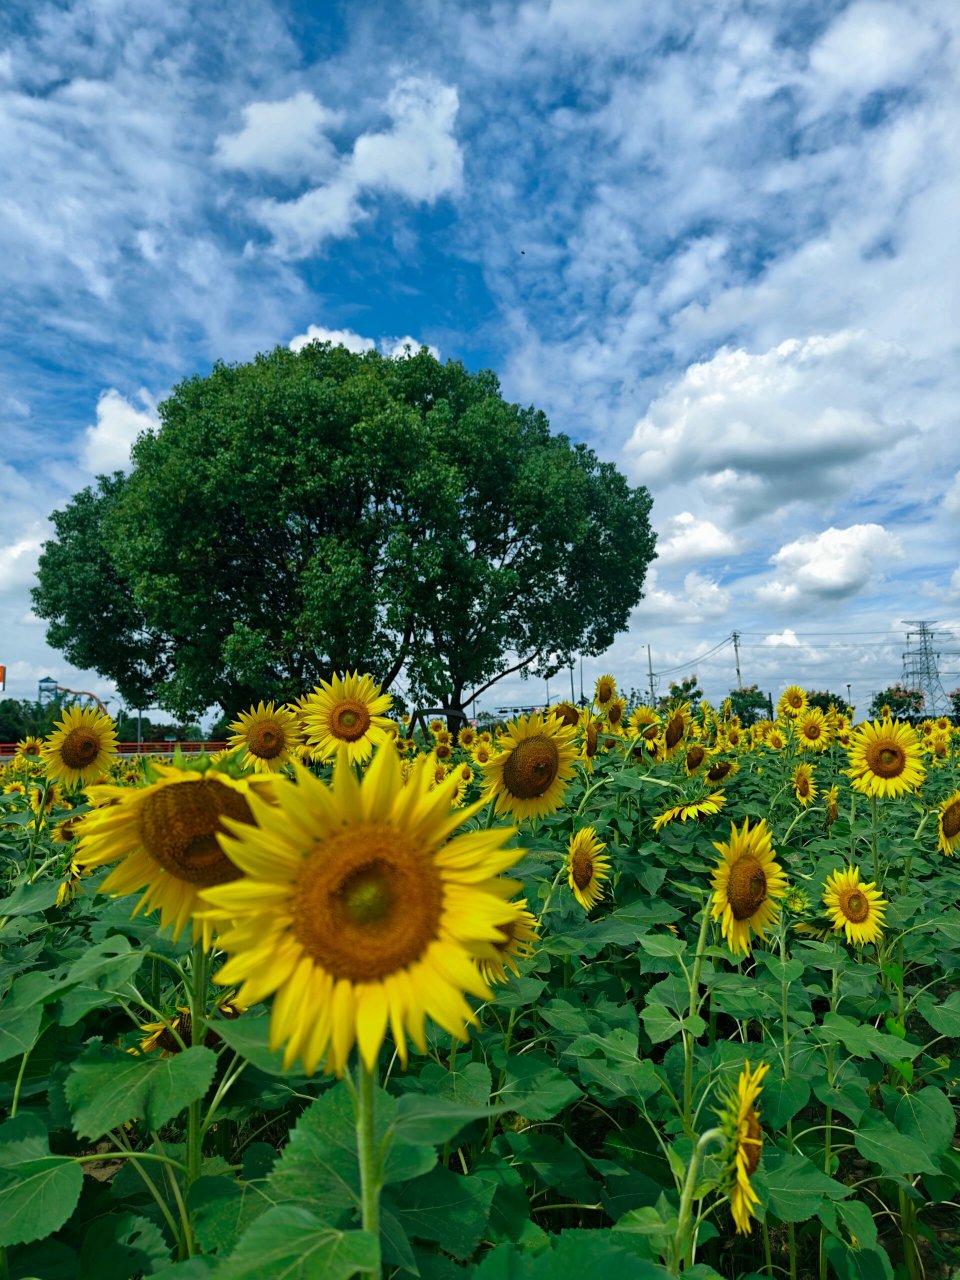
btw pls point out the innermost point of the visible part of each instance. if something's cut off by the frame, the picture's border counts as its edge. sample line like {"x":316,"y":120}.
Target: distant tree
{"x":318,"y":511}
{"x":749,"y":704}
{"x":954,"y":696}
{"x":18,"y":718}
{"x":686,"y":690}
{"x":901,"y":701}
{"x":822,"y":699}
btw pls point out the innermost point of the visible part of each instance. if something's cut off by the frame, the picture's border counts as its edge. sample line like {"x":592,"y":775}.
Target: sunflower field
{"x":608,"y":990}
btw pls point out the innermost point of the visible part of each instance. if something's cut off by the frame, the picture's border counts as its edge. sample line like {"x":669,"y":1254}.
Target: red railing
{"x":144,"y":749}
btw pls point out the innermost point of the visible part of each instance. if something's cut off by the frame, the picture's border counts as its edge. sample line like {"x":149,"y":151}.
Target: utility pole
{"x":573,"y":696}
{"x":736,"y":650}
{"x":653,"y":700}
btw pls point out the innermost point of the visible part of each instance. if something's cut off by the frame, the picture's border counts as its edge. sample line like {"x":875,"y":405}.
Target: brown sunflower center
{"x":369,"y":903}
{"x":733,"y":737}
{"x":747,"y":887}
{"x":614,"y":713}
{"x":886,"y":759}
{"x":795,"y":700}
{"x":482,"y":755}
{"x":79,"y":748}
{"x":695,"y":758}
{"x":509,"y":931}
{"x":265,"y":739}
{"x":753,"y":1145}
{"x":443,"y":751}
{"x":567,"y":713}
{"x":582,"y":869}
{"x":349,"y":720}
{"x":812,"y":731}
{"x":674,"y":731}
{"x":854,"y":905}
{"x":531,"y":767}
{"x":950,"y":822}
{"x":803,"y":786}
{"x":650,"y":732}
{"x":604,"y":690}
{"x":719,"y":771}
{"x":179,"y":823}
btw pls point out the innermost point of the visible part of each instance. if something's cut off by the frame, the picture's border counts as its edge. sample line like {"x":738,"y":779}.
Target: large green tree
{"x":318,"y":511}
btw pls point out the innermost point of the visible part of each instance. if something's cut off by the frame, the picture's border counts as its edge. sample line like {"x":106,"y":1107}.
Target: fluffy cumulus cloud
{"x":762,"y":429}
{"x":339,"y":337}
{"x":830,"y":566}
{"x":287,"y":139}
{"x":685,"y":538}
{"x":106,"y":445}
{"x":18,"y":560}
{"x":698,"y":599}
{"x":417,"y":158}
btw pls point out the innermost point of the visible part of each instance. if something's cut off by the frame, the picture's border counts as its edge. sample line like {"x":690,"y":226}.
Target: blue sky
{"x":716,"y":241}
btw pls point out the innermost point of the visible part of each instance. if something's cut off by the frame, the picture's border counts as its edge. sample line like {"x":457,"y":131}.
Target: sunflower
{"x":528,"y":777}
{"x":466,"y":736}
{"x":676,"y":725}
{"x":804,"y":787}
{"x":740,"y":1122}
{"x":347,"y":712}
{"x":81,"y":748}
{"x":856,"y":908}
{"x":443,"y":750}
{"x":885,"y":759}
{"x":695,"y":809}
{"x":587,"y":867}
{"x":613,"y":715}
{"x":176,"y":1033}
{"x":793,"y":701}
{"x":267,"y":734}
{"x":356,"y":910}
{"x":831,"y":803}
{"x":812,"y":730}
{"x":30,"y":746}
{"x":948,"y":822}
{"x":746,"y":881}
{"x":482,"y":753}
{"x":605,"y":690}
{"x":641,"y":719}
{"x":943,"y":723}
{"x":566,"y":713}
{"x":696,"y":756}
{"x":164,"y":837}
{"x":519,"y":941}
{"x":721,"y":770}
{"x":70,"y":885}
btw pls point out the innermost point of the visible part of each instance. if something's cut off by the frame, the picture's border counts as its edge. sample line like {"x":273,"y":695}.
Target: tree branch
{"x":509,"y":671}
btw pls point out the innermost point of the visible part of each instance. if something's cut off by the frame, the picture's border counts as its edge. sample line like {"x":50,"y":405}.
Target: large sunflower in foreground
{"x":948,"y":823}
{"x":694,"y":809}
{"x":856,"y":908}
{"x":746,"y":883}
{"x":164,"y":837}
{"x":528,"y":777}
{"x":740,"y":1122}
{"x":587,"y":867}
{"x":347,"y":712}
{"x":357,"y":910}
{"x":81,"y":748}
{"x":885,"y":759}
{"x":267,"y":736}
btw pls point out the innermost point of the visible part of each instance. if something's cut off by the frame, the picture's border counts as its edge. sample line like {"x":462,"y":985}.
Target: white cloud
{"x":701,"y":599}
{"x":789,"y":424}
{"x":871,"y":45}
{"x":785,"y":639}
{"x":685,"y":539}
{"x":417,"y":158}
{"x":284,"y":139}
{"x":829,"y":566}
{"x":18,"y":560}
{"x":105,"y":447}
{"x":397,"y":347}
{"x":951,"y":499}
{"x":339,"y":337}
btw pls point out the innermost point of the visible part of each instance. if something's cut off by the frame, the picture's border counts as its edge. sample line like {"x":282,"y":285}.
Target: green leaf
{"x":222,"y":1207}
{"x":107,"y":1087}
{"x":795,"y":1187}
{"x":659,"y":1023}
{"x":928,"y":1117}
{"x":38,"y":1191}
{"x":782,"y":1099}
{"x":435,"y":1120}
{"x":290,"y":1243}
{"x":535,"y":1087}
{"x":448,"y":1209}
{"x":879,"y":1140}
{"x":28,"y":898}
{"x":662,"y":944}
{"x":943,"y":1016}
{"x":92,"y":981}
{"x":249,"y":1036}
{"x":122,"y":1245}
{"x":575,"y":1254}
{"x":19,"y":1029}
{"x":611,"y":1061}
{"x":865,"y":1040}
{"x":469,"y":1083}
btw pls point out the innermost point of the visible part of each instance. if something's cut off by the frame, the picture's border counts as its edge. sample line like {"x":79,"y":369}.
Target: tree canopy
{"x":317,"y":511}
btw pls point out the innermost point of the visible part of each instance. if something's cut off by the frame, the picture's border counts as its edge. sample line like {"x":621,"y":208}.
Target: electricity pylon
{"x":921,"y":666}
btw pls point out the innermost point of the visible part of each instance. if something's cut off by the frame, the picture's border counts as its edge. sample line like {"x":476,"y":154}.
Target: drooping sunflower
{"x":349,"y":712}
{"x":164,"y":837}
{"x":519,"y":941}
{"x":831,"y":802}
{"x":81,"y":748}
{"x":357,"y":910}
{"x":566,"y":712}
{"x":856,"y":908}
{"x":613,"y":716}
{"x":605,"y":690}
{"x":948,"y":823}
{"x":792,"y":702}
{"x":70,"y":885}
{"x":885,"y":759}
{"x":676,"y":725}
{"x":746,"y":883}
{"x":740,"y":1122}
{"x":696,"y":757}
{"x":587,"y":867}
{"x":267,"y":735}
{"x":804,"y":787}
{"x":721,"y":770}
{"x":529,"y":775}
{"x":812,"y":730}
{"x":694,"y":809}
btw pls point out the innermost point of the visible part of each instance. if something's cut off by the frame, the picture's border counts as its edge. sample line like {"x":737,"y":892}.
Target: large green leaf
{"x":795,"y":1187}
{"x":38,"y":1191}
{"x":290,"y":1243}
{"x":434,"y":1120}
{"x":107,"y":1087}
{"x":864,"y":1040}
{"x":450,"y":1210}
{"x":536,"y":1087}
{"x":879,"y":1140}
{"x":928,"y":1117}
{"x":92,"y":980}
{"x":222,"y":1208}
{"x":27,"y":898}
{"x":122,"y":1246}
{"x":943,"y":1016}
{"x":575,"y":1254}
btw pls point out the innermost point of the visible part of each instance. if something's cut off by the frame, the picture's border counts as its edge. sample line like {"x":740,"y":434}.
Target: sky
{"x":716,"y":241}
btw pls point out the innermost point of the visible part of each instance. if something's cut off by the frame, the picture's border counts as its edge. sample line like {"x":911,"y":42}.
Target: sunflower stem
{"x":683,"y":1241}
{"x":874,"y":839}
{"x":198,"y":1031}
{"x":689,"y":1040}
{"x":371,"y":1172}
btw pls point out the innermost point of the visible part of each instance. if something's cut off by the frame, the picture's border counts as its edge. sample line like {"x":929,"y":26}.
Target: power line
{"x":685,"y":666}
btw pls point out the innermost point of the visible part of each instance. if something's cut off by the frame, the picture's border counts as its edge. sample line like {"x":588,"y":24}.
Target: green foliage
{"x":685,"y":690}
{"x":749,"y":704}
{"x":901,"y":701}
{"x":823,"y":699}
{"x":18,"y":718}
{"x":319,"y":511}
